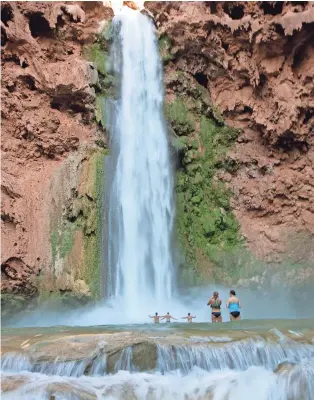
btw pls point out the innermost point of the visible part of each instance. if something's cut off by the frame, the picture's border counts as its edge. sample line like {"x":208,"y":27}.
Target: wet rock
{"x":57,"y":390}
{"x":284,"y":367}
{"x":10,"y":383}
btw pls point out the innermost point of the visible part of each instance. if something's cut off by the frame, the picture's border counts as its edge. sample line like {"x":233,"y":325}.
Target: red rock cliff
{"x":47,"y":113}
{"x":256,"y":59}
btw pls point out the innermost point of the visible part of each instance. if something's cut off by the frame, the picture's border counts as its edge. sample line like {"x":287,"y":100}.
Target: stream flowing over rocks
{"x":186,"y":363}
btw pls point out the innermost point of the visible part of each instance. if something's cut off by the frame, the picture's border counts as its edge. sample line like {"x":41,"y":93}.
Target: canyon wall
{"x":53,"y":150}
{"x":239,"y":103}
{"x":245,"y":198}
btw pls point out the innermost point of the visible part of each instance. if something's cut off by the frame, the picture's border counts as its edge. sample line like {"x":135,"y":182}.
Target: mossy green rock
{"x":165,"y":45}
{"x":205,"y":222}
{"x":76,"y":232}
{"x":96,"y":55}
{"x":178,"y":115}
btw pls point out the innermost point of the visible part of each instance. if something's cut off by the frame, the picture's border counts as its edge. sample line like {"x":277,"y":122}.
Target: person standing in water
{"x":233,"y":304}
{"x":168,"y":317}
{"x":189,"y":318}
{"x":215,"y":304}
{"x":156,"y":318}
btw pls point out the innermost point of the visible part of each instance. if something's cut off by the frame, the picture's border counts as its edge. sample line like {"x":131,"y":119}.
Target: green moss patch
{"x":100,"y":110}
{"x":76,"y":236}
{"x":178,"y":115}
{"x":96,"y":55}
{"x":62,"y":240}
{"x":165,"y":45}
{"x":206,"y":225}
{"x":93,"y":229}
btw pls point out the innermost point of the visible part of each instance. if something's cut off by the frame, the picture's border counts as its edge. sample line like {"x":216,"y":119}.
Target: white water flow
{"x":257,"y":368}
{"x":296,"y":383}
{"x":141,"y":209}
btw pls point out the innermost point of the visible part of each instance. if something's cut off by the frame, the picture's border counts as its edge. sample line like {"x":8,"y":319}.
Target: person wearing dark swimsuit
{"x":215,"y":304}
{"x":233,"y":304}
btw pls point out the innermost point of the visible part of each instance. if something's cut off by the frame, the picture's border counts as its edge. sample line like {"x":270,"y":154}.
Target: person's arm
{"x":161,"y":318}
{"x":184,"y":317}
{"x":209,"y":301}
{"x":193,"y":317}
{"x":174,"y":318}
{"x":240,"y":304}
{"x":228,"y":303}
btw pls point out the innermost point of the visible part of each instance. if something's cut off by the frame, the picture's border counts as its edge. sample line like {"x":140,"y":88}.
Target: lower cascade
{"x":263,"y":368}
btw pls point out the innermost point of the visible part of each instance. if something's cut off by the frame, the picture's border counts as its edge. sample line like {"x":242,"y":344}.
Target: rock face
{"x":48,"y":97}
{"x":248,"y":64}
{"x":257,"y":62}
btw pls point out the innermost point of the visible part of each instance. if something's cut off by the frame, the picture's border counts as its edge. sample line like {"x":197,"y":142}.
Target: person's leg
{"x":213,"y":318}
{"x":219,"y":319}
{"x":231,"y":317}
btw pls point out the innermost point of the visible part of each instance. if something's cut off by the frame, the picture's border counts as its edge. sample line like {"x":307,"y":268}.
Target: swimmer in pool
{"x":233,"y":304}
{"x":189,"y":318}
{"x":168,"y":317}
{"x":215,"y":304}
{"x":156,"y":318}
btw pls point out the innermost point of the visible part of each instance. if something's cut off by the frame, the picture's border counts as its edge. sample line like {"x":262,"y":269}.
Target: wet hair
{"x":168,"y":312}
{"x":156,"y":313}
{"x":232,"y":292}
{"x":189,"y":313}
{"x":215,"y":294}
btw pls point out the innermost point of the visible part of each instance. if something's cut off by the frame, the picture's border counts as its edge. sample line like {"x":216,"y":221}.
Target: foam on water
{"x":255,"y":382}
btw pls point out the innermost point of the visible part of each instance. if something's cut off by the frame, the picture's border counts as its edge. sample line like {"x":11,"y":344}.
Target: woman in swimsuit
{"x":234,"y":306}
{"x":215,"y":304}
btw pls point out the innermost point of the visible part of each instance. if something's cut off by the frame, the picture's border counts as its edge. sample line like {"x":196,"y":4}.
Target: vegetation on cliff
{"x":207,"y":228}
{"x":98,"y":54}
{"x":76,"y":232}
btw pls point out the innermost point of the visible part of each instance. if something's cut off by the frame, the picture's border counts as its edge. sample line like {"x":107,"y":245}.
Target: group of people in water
{"x":233,"y":305}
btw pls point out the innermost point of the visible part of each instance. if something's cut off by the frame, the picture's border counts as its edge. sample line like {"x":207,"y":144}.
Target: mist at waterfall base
{"x":275,"y":304}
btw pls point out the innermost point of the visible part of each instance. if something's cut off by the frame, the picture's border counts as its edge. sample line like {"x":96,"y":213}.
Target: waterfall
{"x":141,"y":209}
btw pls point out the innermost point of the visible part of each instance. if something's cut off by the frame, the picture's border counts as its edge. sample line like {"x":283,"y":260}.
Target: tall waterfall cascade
{"x":141,"y":208}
